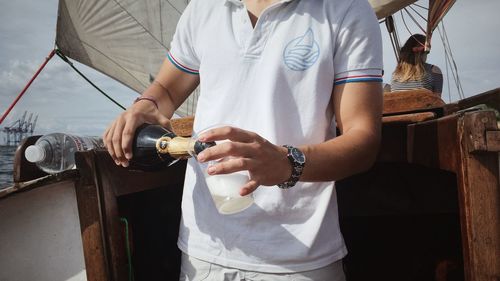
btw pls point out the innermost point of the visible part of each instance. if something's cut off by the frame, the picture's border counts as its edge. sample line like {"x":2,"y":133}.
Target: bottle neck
{"x":180,"y":147}
{"x":38,"y":152}
{"x":177,"y":147}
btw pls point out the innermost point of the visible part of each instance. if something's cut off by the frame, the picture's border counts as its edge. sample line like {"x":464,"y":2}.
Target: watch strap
{"x":297,"y":167}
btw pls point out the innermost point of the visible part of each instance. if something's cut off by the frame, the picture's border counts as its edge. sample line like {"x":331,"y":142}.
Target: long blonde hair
{"x":411,"y":59}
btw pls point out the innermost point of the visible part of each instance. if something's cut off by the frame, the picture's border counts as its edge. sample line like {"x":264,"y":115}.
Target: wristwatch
{"x":297,"y":160}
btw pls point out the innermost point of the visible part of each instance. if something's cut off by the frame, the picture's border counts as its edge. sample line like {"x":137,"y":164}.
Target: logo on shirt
{"x":302,"y":52}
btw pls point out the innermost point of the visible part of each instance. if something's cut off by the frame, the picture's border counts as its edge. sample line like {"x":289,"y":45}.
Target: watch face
{"x":297,"y":155}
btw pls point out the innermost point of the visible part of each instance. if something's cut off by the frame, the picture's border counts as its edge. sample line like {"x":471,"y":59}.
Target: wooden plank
{"x":39,"y":182}
{"x":490,"y":98}
{"x":183,"y":126}
{"x":479,"y":195}
{"x":452,"y":143}
{"x":409,"y":118}
{"x":480,"y":123}
{"x":127,"y":180}
{"x":87,"y":197}
{"x":434,"y":143}
{"x":113,"y":236}
{"x":493,"y":141}
{"x":407,"y":101}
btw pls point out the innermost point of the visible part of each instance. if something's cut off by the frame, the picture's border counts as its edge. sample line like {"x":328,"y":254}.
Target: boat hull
{"x":40,"y":238}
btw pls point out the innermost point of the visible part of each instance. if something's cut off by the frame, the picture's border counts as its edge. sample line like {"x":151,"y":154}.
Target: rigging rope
{"x":414,"y":21}
{"x":447,"y":72}
{"x":416,"y":12}
{"x":420,"y":6}
{"x":459,"y":83}
{"x":64,"y":58}
{"x":450,"y":59}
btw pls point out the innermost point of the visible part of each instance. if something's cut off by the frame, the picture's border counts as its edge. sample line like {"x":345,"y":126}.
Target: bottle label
{"x":178,"y":147}
{"x":86,"y":143}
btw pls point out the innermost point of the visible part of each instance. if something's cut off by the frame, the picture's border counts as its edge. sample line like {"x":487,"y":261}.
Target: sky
{"x":64,"y":102}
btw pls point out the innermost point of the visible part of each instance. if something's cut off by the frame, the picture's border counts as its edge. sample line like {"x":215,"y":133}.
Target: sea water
{"x":225,"y":191}
{"x":6,"y":165}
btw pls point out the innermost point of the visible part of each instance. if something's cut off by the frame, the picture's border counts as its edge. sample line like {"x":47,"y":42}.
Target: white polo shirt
{"x":276,"y":80}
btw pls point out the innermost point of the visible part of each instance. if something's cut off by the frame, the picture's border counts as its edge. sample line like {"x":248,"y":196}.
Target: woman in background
{"x":412,"y":72}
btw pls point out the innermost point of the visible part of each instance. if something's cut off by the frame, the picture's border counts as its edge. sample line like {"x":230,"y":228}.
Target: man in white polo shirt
{"x":282,"y":75}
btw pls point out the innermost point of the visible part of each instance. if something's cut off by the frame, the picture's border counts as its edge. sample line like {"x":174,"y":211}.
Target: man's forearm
{"x":343,"y":156}
{"x":170,"y":88}
{"x":163,"y":98}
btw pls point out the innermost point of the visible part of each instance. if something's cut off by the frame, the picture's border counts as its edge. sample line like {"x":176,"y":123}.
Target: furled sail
{"x":385,"y":8}
{"x":124,"y":39}
{"x":437,"y":9}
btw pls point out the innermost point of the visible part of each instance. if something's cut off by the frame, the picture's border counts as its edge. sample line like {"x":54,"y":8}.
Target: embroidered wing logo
{"x":302,"y":52}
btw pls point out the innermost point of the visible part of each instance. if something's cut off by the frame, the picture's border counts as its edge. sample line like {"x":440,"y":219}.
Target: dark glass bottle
{"x":155,"y":147}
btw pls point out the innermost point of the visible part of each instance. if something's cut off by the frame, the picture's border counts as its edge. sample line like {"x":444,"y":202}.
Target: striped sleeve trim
{"x":180,"y":66}
{"x":358,"y":78}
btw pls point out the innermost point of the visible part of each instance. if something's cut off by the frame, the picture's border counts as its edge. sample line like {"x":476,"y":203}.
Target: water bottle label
{"x":86,"y":143}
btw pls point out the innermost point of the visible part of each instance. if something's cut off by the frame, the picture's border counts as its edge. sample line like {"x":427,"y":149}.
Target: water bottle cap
{"x":34,"y":153}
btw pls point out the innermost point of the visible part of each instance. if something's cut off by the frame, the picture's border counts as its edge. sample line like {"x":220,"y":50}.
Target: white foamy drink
{"x":225,"y":191}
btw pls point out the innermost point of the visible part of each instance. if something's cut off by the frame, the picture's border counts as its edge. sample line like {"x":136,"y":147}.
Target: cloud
{"x":63,"y":101}
{"x":14,"y":75}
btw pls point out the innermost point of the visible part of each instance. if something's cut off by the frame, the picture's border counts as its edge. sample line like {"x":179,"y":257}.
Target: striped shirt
{"x":432,"y":81}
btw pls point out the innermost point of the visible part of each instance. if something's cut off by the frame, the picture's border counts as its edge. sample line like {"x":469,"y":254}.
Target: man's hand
{"x":266,"y":163}
{"x":170,"y":88}
{"x":119,"y":136}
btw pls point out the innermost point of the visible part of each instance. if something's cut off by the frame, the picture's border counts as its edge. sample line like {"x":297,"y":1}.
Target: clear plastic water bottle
{"x":54,"y":153}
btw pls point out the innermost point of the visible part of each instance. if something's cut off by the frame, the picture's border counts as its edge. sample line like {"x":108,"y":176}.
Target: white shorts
{"x":193,"y":269}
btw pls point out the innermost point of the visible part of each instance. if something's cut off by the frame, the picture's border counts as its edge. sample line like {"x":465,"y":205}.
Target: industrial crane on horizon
{"x":20,"y":129}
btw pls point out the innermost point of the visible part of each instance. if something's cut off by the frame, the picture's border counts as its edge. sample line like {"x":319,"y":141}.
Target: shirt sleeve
{"x":358,"y":46}
{"x":182,"y":51}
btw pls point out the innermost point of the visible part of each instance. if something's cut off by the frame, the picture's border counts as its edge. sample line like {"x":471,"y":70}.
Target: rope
{"x":64,"y":58}
{"x":455,"y":68}
{"x":414,"y":21}
{"x":450,"y":60}
{"x":416,"y":12}
{"x":47,"y":59}
{"x":447,"y":67}
{"x":127,"y":246}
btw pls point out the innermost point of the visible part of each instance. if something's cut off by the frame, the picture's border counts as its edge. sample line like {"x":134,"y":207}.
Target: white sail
{"x":125,"y":39}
